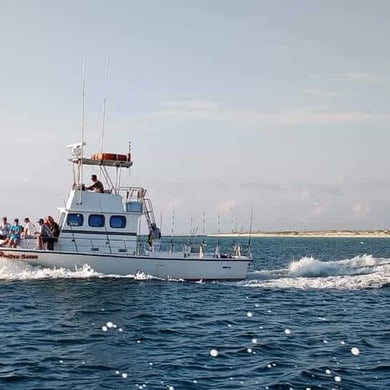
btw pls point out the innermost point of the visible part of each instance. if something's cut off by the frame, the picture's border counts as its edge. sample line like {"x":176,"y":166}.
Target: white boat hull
{"x":161,"y":264}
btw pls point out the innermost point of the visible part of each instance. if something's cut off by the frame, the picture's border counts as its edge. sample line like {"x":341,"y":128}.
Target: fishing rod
{"x":172,"y":230}
{"x":250,"y":233}
{"x":217,"y":248}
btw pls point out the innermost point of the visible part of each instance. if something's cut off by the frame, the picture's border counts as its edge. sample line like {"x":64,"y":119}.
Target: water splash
{"x":359,"y":265}
{"x":14,"y":270}
{"x":359,"y":272}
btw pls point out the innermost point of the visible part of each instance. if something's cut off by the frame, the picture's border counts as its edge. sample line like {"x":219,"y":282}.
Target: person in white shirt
{"x":5,"y":228}
{"x":29,"y":229}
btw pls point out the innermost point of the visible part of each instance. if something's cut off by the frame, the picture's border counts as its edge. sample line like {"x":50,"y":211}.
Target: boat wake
{"x":359,"y":272}
{"x":14,"y":270}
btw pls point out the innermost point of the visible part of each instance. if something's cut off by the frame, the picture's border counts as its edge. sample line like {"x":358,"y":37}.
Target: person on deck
{"x":97,"y":185}
{"x":29,"y":228}
{"x":53,"y":226}
{"x":15,"y":233}
{"x":55,"y":231}
{"x":4,"y":229}
{"x":154,"y":237}
{"x":44,"y":235}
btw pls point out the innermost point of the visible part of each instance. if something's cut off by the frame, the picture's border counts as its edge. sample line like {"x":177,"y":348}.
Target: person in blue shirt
{"x":15,"y":233}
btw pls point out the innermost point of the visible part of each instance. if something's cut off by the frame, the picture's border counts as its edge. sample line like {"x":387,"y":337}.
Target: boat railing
{"x":131,"y":193}
{"x":28,"y":243}
{"x":133,"y":198}
{"x":113,"y":246}
{"x":88,"y":245}
{"x":194,"y":250}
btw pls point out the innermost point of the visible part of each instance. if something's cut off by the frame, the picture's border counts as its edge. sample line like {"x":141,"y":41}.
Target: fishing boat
{"x":103,"y":231}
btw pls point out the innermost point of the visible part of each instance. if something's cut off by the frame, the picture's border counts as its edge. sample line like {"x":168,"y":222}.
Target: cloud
{"x":261,"y":186}
{"x":318,"y":211}
{"x":363,"y":77}
{"x":226,"y":206}
{"x":321,"y":92}
{"x":191,"y":105}
{"x":206,"y":110}
{"x":360,"y":210}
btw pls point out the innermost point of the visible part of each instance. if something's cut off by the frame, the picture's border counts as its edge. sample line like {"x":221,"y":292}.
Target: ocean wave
{"x":12,"y":270}
{"x":359,"y":272}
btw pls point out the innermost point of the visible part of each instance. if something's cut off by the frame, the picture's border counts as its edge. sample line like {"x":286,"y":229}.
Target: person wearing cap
{"x":15,"y":233}
{"x":44,"y":235}
{"x":97,"y":185}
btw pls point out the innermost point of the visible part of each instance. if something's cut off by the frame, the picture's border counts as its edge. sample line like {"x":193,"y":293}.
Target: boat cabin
{"x":101,"y":223}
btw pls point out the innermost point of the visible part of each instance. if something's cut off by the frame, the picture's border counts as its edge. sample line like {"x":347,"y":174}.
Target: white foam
{"x":355,"y":351}
{"x":213,"y":352}
{"x":16,"y":270}
{"x":356,"y":273}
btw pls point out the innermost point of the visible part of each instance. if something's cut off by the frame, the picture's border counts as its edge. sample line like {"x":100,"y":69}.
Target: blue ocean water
{"x":313,"y":314}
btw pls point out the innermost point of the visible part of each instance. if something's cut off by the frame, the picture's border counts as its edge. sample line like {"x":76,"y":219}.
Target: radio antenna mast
{"x":104,"y":104}
{"x":82,"y":119}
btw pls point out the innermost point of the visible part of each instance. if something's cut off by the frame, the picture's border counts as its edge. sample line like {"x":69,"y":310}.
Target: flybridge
{"x":101,"y":160}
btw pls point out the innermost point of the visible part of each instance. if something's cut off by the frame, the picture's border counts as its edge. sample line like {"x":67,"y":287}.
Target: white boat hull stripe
{"x":106,"y":233}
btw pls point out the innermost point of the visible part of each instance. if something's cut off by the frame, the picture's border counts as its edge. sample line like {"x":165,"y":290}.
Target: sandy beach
{"x":319,"y":234}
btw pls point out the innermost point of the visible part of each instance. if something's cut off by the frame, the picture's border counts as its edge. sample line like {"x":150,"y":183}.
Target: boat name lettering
{"x":18,"y":257}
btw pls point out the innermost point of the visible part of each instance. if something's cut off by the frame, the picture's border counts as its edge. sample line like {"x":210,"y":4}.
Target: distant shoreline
{"x":314,"y":234}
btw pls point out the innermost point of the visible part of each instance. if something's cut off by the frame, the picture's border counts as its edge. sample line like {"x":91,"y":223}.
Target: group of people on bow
{"x":46,"y":232}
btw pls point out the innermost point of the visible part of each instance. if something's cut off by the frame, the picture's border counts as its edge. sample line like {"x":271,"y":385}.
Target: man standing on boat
{"x":154,"y":237}
{"x":97,"y":185}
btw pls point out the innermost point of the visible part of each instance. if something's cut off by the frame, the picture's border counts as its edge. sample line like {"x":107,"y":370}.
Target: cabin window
{"x":96,"y":220}
{"x":75,"y":219}
{"x":118,"y":221}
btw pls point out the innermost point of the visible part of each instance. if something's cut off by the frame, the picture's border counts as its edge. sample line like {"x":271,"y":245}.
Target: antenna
{"x":83,"y":107}
{"x":81,"y":151}
{"x":104,"y":104}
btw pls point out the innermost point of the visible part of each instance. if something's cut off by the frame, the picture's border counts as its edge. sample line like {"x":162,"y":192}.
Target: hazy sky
{"x":279,"y":105}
